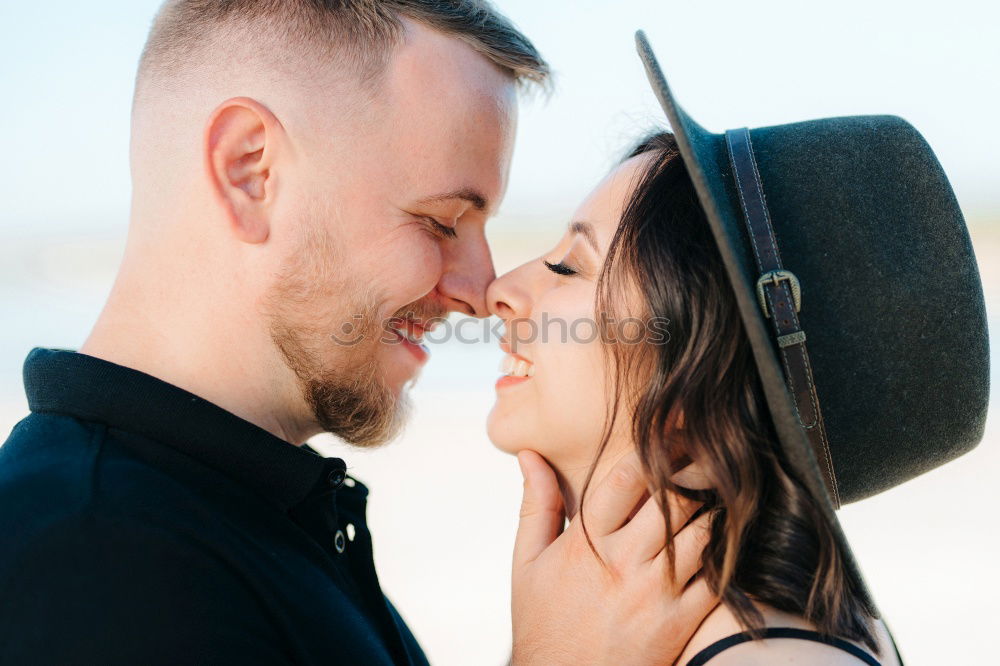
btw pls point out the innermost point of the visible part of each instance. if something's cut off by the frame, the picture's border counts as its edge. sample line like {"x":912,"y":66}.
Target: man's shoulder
{"x":47,"y":469}
{"x":83,"y":557}
{"x":63,"y":479}
{"x":136,"y":552}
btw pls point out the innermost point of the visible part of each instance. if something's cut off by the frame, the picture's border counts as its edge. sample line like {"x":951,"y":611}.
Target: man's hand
{"x":570,"y":609}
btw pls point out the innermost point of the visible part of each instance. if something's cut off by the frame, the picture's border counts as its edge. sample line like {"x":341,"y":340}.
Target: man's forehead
{"x":424,"y":50}
{"x":449,"y":116}
{"x":438,"y":70}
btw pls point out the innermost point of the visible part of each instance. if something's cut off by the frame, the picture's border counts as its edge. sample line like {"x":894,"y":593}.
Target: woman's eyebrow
{"x":585,"y":229}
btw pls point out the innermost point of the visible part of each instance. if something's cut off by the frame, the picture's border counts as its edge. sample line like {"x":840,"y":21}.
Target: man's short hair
{"x":356,"y":36}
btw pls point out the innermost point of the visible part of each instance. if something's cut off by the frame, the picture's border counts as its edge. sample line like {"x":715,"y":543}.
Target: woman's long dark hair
{"x":698,"y":397}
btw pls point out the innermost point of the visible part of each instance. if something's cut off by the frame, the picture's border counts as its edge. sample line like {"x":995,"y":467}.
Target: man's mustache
{"x":424,"y":312}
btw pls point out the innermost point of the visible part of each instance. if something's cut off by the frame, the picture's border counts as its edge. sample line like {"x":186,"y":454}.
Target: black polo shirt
{"x":141,"y":524}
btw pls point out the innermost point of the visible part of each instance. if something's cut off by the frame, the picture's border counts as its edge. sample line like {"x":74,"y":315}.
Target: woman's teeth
{"x":516,"y":367}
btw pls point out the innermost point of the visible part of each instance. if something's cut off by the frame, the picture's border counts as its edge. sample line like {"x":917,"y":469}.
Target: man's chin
{"x":389,"y":427}
{"x":364,"y":411}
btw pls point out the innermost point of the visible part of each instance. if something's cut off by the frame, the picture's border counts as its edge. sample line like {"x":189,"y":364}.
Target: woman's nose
{"x":507,"y":296}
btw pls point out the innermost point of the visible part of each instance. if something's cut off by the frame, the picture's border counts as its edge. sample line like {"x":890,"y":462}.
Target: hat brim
{"x":706,"y":159}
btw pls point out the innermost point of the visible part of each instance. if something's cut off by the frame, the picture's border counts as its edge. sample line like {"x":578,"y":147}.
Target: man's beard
{"x":342,"y":383}
{"x":350,"y":401}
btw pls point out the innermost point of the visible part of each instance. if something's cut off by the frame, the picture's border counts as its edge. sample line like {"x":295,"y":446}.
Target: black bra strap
{"x":781,"y":632}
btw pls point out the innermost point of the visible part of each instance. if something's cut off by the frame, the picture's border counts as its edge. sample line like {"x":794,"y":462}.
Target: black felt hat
{"x":858,"y":287}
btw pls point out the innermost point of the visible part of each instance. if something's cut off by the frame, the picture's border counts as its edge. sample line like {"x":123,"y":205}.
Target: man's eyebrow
{"x":477,"y":200}
{"x":585,"y":229}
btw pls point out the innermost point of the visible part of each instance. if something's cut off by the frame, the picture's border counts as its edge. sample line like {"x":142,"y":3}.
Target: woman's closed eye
{"x":560,"y":268}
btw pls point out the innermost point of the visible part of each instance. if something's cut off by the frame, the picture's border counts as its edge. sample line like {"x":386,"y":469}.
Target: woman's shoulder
{"x":721,"y":623}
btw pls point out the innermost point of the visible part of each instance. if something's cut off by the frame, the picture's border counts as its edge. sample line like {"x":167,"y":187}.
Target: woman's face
{"x":552,"y":398}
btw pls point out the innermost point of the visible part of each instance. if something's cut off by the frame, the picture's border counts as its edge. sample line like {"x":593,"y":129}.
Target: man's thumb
{"x":542,"y":514}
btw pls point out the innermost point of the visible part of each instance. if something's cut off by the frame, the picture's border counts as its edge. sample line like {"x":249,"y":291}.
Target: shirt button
{"x":336,"y":478}
{"x":340,"y":541}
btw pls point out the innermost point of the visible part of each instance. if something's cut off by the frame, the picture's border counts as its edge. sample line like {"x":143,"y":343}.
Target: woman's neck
{"x":573,"y":477}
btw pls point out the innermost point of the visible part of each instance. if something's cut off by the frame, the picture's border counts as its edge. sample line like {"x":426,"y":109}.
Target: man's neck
{"x":219,"y":355}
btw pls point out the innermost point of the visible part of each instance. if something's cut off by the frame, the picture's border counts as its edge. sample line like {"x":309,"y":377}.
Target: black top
{"x":144,"y":525}
{"x":781,"y":632}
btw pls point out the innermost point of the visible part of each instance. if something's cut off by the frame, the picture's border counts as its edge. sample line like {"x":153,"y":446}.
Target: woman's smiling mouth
{"x":516,"y":370}
{"x":515,"y":366}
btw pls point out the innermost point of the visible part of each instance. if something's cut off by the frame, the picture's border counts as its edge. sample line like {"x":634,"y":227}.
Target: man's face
{"x":390,"y":206}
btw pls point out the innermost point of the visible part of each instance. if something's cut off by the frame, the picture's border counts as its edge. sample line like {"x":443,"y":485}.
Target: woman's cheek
{"x":573,"y":397}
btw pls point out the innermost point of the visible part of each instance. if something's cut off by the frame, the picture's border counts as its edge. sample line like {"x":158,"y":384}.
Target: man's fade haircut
{"x":356,"y":36}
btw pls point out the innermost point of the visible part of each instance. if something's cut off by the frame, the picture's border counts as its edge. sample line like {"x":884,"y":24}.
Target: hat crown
{"x":892,"y":301}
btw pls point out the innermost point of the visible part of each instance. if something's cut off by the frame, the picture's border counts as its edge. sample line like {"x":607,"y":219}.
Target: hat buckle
{"x":776,"y":277}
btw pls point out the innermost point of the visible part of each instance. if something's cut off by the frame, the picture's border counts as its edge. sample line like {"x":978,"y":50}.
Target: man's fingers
{"x":689,"y":544}
{"x":697,"y":600}
{"x":685,"y":611}
{"x":616,"y":497}
{"x":645,"y":535}
{"x":542,"y":514}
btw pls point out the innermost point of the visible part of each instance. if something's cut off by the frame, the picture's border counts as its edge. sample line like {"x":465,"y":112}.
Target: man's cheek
{"x":417,"y":272}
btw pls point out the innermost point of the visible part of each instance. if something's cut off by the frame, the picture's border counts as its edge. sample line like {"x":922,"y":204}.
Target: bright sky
{"x":66,"y":70}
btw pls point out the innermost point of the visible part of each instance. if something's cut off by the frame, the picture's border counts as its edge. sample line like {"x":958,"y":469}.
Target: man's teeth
{"x":516,"y":367}
{"x":410,"y":337}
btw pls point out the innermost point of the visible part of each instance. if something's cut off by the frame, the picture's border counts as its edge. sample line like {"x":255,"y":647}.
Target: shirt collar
{"x":92,"y":389}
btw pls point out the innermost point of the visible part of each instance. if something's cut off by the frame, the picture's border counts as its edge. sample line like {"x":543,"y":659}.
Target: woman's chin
{"x":506,"y":444}
{"x":503,"y":436}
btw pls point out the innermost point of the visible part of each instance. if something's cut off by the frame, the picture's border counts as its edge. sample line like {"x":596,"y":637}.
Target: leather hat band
{"x":779,"y":294}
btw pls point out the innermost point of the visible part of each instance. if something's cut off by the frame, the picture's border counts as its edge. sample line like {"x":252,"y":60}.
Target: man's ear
{"x":241,"y":139}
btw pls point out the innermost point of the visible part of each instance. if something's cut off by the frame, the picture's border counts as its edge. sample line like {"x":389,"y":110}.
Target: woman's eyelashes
{"x":440,"y":230}
{"x":560,"y":268}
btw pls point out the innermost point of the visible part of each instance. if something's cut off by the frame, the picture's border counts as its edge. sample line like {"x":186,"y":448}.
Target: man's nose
{"x":468,"y":272}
